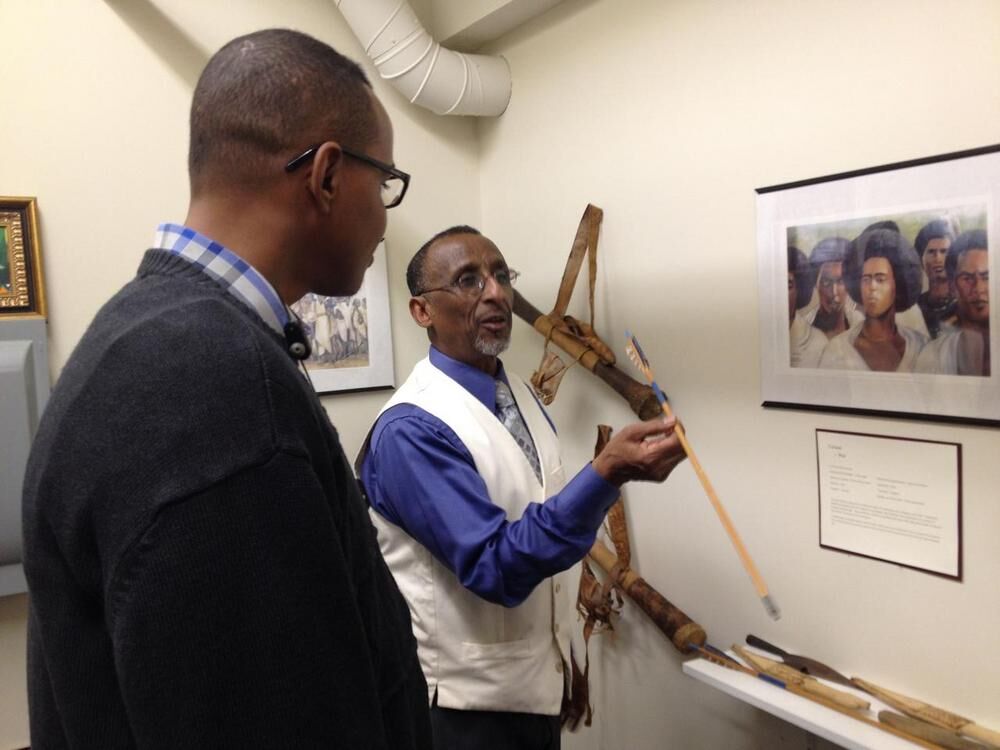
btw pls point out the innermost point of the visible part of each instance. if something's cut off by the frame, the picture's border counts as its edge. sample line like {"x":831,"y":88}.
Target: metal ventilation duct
{"x":406,"y":55}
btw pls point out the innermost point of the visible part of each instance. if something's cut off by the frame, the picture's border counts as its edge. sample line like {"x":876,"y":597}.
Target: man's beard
{"x":491,"y":347}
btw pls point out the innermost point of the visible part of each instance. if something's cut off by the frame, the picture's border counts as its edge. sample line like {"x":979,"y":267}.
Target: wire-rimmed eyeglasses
{"x":393,"y":187}
{"x":472,"y":284}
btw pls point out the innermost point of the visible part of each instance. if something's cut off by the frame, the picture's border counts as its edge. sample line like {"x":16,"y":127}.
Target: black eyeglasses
{"x":393,"y":187}
{"x":472,"y":284}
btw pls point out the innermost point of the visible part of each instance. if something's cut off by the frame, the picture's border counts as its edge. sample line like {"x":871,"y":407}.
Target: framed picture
{"x":875,"y":287}
{"x":350,"y":337}
{"x":22,"y":293}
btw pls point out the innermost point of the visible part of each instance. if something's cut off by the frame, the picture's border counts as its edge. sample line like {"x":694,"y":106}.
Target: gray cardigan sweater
{"x":201,"y":566}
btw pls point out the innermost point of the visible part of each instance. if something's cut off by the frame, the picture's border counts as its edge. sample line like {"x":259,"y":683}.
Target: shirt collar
{"x":480,"y":384}
{"x":238,"y":277}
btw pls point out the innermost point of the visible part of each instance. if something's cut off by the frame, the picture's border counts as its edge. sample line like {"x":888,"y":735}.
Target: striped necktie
{"x":508,"y":413}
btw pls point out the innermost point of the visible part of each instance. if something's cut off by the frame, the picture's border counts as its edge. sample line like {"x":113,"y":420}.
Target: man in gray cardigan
{"x":202,"y":569}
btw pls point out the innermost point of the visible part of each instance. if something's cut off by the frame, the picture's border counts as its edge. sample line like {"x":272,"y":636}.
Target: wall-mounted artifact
{"x":577,"y":338}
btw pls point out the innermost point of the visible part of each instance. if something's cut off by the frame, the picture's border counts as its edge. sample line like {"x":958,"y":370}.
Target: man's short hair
{"x":933,"y":230}
{"x":415,"y":280}
{"x":891,"y":245}
{"x":803,"y":274}
{"x":273,"y":92}
{"x":829,"y":250}
{"x":974,"y":239}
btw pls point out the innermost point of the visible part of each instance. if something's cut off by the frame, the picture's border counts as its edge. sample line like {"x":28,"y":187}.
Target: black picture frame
{"x":961,"y":189}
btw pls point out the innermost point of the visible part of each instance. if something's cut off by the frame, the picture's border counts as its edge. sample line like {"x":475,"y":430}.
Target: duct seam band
{"x":398,"y":47}
{"x":384,"y":26}
{"x":427,"y":75}
{"x":411,"y":66}
{"x":465,"y":84}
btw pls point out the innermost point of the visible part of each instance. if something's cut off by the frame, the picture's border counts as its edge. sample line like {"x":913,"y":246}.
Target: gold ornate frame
{"x":22,"y":293}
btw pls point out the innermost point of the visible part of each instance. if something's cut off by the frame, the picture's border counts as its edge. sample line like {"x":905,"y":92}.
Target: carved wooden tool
{"x":677,"y":626}
{"x":637,"y":356}
{"x":806,"y":683}
{"x":804,"y":664}
{"x":931,"y":714}
{"x":720,"y":657}
{"x":943,"y":737}
{"x":640,"y":397}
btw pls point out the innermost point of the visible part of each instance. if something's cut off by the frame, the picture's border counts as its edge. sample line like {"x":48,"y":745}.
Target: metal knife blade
{"x":804,"y":664}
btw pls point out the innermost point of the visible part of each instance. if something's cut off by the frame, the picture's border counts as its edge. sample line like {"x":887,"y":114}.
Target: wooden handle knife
{"x":804,"y":664}
{"x":806,"y":683}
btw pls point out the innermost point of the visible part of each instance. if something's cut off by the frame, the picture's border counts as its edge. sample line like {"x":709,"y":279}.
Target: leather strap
{"x":586,"y":240}
{"x":550,"y":371}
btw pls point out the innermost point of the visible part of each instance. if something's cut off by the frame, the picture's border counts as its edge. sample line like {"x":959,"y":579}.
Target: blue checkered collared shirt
{"x":239,"y":278}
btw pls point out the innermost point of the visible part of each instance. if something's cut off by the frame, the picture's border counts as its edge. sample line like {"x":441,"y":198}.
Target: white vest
{"x":477,"y":655}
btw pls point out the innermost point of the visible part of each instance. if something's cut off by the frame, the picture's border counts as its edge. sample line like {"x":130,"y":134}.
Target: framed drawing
{"x":22,"y":293}
{"x":875,"y":286}
{"x":350,"y":337}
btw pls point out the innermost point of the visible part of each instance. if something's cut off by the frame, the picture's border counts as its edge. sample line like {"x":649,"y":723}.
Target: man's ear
{"x":419,"y":312}
{"x":326,"y":175}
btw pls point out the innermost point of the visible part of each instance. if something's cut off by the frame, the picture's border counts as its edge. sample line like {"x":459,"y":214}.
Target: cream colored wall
{"x":668,"y":115}
{"x":96,"y":127}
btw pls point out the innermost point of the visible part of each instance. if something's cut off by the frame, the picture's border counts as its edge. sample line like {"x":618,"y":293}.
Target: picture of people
{"x":350,"y":337}
{"x":888,"y":290}
{"x":337,"y":329}
{"x":906,"y":292}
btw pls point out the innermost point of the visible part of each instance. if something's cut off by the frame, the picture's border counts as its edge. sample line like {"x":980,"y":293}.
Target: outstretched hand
{"x":641,"y":451}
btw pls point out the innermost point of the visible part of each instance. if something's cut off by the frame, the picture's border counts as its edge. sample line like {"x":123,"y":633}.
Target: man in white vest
{"x":474,"y":515}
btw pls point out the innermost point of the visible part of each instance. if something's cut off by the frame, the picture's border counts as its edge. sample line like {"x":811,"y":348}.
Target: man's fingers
{"x":663,"y":452}
{"x":641,"y":451}
{"x":649,"y":428}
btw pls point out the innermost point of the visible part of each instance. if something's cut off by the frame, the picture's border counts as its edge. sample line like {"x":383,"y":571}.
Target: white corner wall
{"x":668,"y":115}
